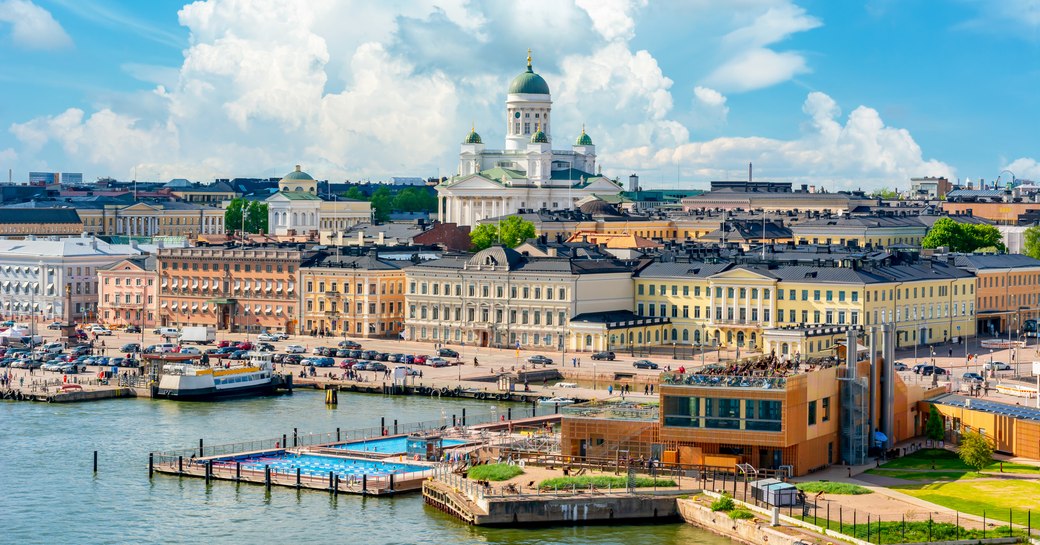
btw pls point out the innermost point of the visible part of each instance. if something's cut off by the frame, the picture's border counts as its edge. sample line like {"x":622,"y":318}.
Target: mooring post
{"x":238,"y":472}
{"x":151,"y":463}
{"x":180,"y":465}
{"x":453,"y":421}
{"x":267,"y":477}
{"x":295,"y":437}
{"x":284,"y":443}
{"x":337,"y":435}
{"x":395,"y":426}
{"x":382,"y":425}
{"x":391,"y":482}
{"x":557,"y":408}
{"x":95,"y":461}
{"x":463,"y":416}
{"x":209,"y":470}
{"x":364,"y":484}
{"x":297,"y":478}
{"x":332,"y":483}
{"x":509,"y":413}
{"x":200,"y":449}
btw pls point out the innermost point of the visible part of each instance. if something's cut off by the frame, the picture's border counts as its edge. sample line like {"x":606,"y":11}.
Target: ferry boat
{"x":192,"y":381}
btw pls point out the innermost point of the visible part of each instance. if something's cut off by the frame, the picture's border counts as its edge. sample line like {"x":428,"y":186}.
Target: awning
{"x":257,"y":309}
{"x":221,"y":301}
{"x":245,"y":309}
{"x":205,"y":307}
{"x":194,"y":306}
{"x":278,"y":310}
{"x":880,"y":437}
{"x":163,"y":305}
{"x":165,"y":282}
{"x":205,"y":284}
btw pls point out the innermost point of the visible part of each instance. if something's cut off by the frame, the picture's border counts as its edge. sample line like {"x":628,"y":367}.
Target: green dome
{"x":584,"y":139}
{"x":528,"y":82}
{"x":539,"y":137}
{"x":473,"y":138}
{"x":297,"y":175}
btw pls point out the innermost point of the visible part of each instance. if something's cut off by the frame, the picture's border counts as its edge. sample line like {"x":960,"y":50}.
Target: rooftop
{"x":1004,"y":409}
{"x":614,"y":409}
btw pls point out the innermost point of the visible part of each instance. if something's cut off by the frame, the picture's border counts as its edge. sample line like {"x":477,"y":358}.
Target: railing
{"x":724,"y":381}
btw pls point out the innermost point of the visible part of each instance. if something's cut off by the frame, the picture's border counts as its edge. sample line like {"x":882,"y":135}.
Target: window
{"x":826,"y":409}
{"x":805,"y":295}
{"x":812,"y":413}
{"x":816,"y":295}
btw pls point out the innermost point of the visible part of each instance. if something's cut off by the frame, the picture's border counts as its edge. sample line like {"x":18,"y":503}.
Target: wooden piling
{"x":180,"y":465}
{"x":238,"y":472}
{"x":95,"y":461}
{"x":200,"y":449}
{"x":295,"y":437}
{"x":395,"y":426}
{"x":267,"y":477}
{"x":151,"y":464}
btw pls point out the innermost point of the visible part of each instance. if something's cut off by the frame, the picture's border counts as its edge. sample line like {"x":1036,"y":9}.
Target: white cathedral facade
{"x":528,"y":173}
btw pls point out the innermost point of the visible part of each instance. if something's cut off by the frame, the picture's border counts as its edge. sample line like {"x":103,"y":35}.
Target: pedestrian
{"x":574,"y":362}
{"x":579,"y":362}
{"x":951,"y":351}
{"x":646,"y":390}
{"x":651,"y":389}
{"x":610,"y":389}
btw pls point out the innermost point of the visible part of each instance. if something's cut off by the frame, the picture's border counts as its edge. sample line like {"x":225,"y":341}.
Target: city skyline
{"x":808,"y":91}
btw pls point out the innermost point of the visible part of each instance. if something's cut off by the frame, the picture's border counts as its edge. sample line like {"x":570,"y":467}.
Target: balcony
{"x":614,"y":410}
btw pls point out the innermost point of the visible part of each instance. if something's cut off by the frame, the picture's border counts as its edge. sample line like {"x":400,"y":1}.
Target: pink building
{"x":128,"y":293}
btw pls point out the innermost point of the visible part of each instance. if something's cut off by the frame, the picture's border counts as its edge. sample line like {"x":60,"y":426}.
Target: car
{"x":132,"y":329}
{"x":447,"y":353}
{"x":244,"y":345}
{"x":130,"y":348}
{"x":360,"y":366}
{"x":265,"y":347}
{"x":343,"y":353}
{"x":382,"y":356}
{"x":317,"y":350}
{"x":437,"y":362}
{"x":929,"y":370}
{"x":608,"y":356}
{"x":321,"y":361}
{"x":190,"y":350}
{"x":349,"y":344}
{"x":394,"y":358}
{"x":408,"y":358}
{"x":899,"y":366}
{"x":538,"y":358}
{"x":997,"y":366}
{"x":420,"y":359}
{"x":354,"y":353}
{"x":223,"y":344}
{"x":268,"y":337}
{"x":644,"y":364}
{"x":376,"y":366}
{"x":369,"y":354}
{"x":99,"y":330}
{"x":295,"y":349}
{"x":917,"y":368}
{"x":408,"y":371}
{"x":55,"y":325}
{"x":971,"y":377}
{"x":292,"y":359}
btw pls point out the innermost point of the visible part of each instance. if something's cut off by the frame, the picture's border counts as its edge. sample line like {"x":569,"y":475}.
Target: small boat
{"x":197,"y":382}
{"x":555,"y":401}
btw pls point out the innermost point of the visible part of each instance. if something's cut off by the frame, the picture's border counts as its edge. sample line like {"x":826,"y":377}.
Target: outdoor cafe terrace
{"x":763,"y":372}
{"x":615,"y":410}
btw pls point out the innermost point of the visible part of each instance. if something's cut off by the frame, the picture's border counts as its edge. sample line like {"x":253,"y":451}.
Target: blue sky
{"x":842,"y":94}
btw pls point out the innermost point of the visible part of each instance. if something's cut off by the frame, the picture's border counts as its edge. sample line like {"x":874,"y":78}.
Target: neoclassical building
{"x":528,"y":173}
{"x":298,"y":210}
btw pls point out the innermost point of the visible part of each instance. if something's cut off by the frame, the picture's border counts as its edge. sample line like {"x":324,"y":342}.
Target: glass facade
{"x":723,"y":413}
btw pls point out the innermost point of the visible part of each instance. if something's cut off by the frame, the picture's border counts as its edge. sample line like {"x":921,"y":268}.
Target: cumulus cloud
{"x":751,"y":64}
{"x":1022,"y":16}
{"x":1025,"y":167}
{"x":612,"y":18}
{"x":33,"y":27}
{"x":861,"y":152}
{"x":709,"y":107}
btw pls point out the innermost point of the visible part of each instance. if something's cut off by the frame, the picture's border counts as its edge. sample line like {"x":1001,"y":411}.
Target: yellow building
{"x":150,"y":219}
{"x":764,"y":307}
{"x":883,"y":231}
{"x":359,"y":296}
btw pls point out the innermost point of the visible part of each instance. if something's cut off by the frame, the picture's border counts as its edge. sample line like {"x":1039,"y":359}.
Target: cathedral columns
{"x":440,"y":209}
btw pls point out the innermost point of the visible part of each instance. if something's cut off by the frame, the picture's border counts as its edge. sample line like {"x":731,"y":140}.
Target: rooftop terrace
{"x":614,"y":410}
{"x":766,"y":372}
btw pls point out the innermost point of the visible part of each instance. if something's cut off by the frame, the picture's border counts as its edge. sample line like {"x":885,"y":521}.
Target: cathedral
{"x":528,"y":173}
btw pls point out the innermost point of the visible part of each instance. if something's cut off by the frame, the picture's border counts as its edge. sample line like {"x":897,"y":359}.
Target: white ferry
{"x":191,"y":381}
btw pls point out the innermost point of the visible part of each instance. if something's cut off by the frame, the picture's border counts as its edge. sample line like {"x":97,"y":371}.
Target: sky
{"x":843,"y":95}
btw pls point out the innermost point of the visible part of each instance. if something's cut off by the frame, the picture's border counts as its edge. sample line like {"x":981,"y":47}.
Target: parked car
{"x":239,"y":355}
{"x":369,"y":354}
{"x":382,"y":356}
{"x":190,"y":350}
{"x":292,"y":359}
{"x":997,"y":366}
{"x":265,"y":347}
{"x":99,"y":330}
{"x":929,"y":370}
{"x":447,"y":353}
{"x":349,"y":344}
{"x":917,"y":368}
{"x":343,"y":353}
{"x":420,"y":359}
{"x":609,"y":356}
{"x":538,"y":358}
{"x":322,"y":361}
{"x":971,"y":377}
{"x":644,"y":364}
{"x":55,"y":326}
{"x":408,"y":358}
{"x":223,"y":344}
{"x":354,"y":353}
{"x":267,"y":337}
{"x":437,"y":362}
{"x":295,"y":349}
{"x":899,"y":366}
{"x":408,"y":371}
{"x":130,"y":348}
{"x":132,"y":329}
{"x":376,"y":366}
{"x":244,"y":345}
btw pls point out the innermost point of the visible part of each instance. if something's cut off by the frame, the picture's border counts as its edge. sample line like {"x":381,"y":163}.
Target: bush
{"x":843,"y":489}
{"x":602,"y":481}
{"x":741,"y":514}
{"x":976,"y":451}
{"x":725,"y":503}
{"x":494,"y":472}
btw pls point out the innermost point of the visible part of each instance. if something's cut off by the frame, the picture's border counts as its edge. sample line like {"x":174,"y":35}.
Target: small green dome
{"x":297,"y":175}
{"x":473,"y":138}
{"x":528,"y":82}
{"x":584,"y":139}
{"x":539,"y":137}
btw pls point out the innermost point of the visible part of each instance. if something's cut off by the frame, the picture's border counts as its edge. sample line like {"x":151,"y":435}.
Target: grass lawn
{"x":494,"y":472}
{"x":943,"y":459}
{"x":924,"y":475}
{"x":844,"y":489}
{"x":995,"y":497}
{"x":602,"y":481}
{"x":910,"y":531}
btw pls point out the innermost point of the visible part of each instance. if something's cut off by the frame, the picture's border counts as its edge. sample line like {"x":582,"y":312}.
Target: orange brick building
{"x":1007,"y":291}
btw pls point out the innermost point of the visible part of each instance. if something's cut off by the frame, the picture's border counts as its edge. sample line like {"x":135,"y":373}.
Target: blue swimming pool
{"x":316,"y":465}
{"x":391,"y":445}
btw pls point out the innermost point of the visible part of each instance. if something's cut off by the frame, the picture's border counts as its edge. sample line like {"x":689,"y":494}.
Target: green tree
{"x":233,"y":215}
{"x":976,"y":451}
{"x":514,"y":230}
{"x":256,"y":217}
{"x":960,"y":237}
{"x":483,"y":236}
{"x":382,"y":204}
{"x":1032,"y":242}
{"x":355,"y":193}
{"x":885,"y":193}
{"x":933,"y":428}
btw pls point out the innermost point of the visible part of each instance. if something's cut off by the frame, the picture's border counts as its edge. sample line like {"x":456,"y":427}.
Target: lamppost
{"x":673,"y":350}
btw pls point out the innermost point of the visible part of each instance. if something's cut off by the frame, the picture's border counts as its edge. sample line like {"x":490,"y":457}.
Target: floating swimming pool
{"x":393,"y":445}
{"x":316,"y":465}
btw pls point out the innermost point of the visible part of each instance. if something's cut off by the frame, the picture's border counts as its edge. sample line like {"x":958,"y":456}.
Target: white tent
{"x":15,"y":333}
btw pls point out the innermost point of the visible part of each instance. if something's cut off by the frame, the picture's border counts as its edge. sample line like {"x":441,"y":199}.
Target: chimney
{"x":633,"y":183}
{"x":382,"y":237}
{"x":361,"y":238}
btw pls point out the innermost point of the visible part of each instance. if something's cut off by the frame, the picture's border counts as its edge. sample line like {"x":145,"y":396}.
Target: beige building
{"x":128,"y":292}
{"x":351,"y":295}
{"x":499,"y":297}
{"x":151,"y":219}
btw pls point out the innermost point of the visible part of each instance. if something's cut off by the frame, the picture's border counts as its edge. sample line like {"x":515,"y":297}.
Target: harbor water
{"x":51,"y":495}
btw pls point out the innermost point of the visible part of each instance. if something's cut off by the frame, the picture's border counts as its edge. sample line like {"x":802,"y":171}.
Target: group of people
{"x":763,"y":366}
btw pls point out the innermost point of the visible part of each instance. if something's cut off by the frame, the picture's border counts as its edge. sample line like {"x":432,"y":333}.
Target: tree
{"x":483,"y":236}
{"x":885,"y":193}
{"x":976,"y":451}
{"x":515,"y":230}
{"x":1032,"y":242}
{"x":933,"y":428}
{"x":256,"y":216}
{"x":233,"y":215}
{"x":960,"y":237}
{"x":382,"y":204}
{"x":355,"y":193}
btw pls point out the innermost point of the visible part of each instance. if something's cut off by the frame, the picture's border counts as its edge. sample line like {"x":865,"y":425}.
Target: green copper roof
{"x":473,"y":138}
{"x":528,"y":82}
{"x":300,"y":196}
{"x":297,"y":175}
{"x":584,"y":139}
{"x":539,"y":138}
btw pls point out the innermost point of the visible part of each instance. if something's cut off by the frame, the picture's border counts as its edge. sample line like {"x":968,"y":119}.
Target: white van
{"x":167,"y":332}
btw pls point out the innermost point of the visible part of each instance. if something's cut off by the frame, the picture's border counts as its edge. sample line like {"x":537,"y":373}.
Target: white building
{"x":528,"y":173}
{"x":297,"y":209}
{"x":34,"y":273}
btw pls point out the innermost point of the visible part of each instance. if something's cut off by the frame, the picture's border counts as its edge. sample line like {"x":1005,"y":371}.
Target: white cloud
{"x":751,"y":65}
{"x":33,"y":27}
{"x":862,"y":152}
{"x":1025,"y":167}
{"x":709,"y":107}
{"x":612,"y":18}
{"x":1021,"y":16}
